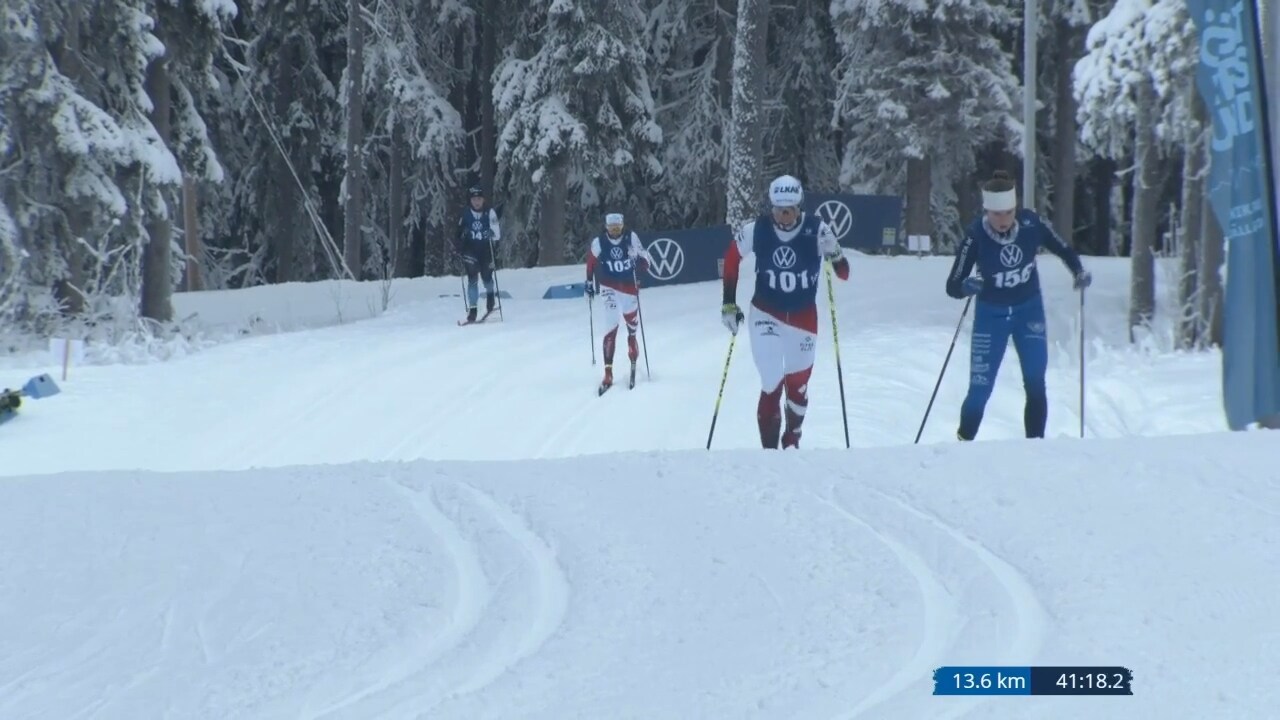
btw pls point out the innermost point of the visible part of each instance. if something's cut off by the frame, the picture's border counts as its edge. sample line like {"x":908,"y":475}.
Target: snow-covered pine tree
{"x":577,"y":117}
{"x":91,"y":171}
{"x":60,"y":161}
{"x":920,"y":87}
{"x":799,"y":139}
{"x":746,"y":121}
{"x":1062,"y":32}
{"x":1128,"y":87}
{"x":286,"y":60}
{"x":691,"y":55}
{"x":193,"y":35}
{"x":415,"y":134}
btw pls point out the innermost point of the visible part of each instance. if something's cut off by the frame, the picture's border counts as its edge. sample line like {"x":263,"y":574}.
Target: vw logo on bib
{"x":1011,"y":256}
{"x":616,"y":252}
{"x":784,"y":257}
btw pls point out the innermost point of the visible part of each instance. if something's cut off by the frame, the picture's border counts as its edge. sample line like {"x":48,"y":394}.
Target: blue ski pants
{"x":477,"y":261}
{"x":993,"y":326}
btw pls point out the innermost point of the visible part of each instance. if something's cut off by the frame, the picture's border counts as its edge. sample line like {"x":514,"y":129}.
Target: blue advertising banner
{"x":1242,"y":197}
{"x":685,"y":256}
{"x":869,"y":223}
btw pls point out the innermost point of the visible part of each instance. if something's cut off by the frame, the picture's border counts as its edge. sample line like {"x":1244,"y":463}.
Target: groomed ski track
{"x":410,"y":384}
{"x":585,"y":580}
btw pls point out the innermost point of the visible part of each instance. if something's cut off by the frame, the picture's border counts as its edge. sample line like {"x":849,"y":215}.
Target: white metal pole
{"x":1030,"y":30}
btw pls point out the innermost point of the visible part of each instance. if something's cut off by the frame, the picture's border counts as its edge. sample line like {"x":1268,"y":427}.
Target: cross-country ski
{"x":476,"y":320}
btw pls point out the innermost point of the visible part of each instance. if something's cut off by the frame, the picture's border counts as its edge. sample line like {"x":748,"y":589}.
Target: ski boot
{"x":791,"y":439}
{"x":633,"y":354}
{"x":791,"y":435}
{"x":608,"y":380}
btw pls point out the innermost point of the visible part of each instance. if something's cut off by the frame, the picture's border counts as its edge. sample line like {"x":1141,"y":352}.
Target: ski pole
{"x":591,"y":313}
{"x":1081,"y":362}
{"x":944,"y":367}
{"x":835,"y":338}
{"x":640,"y":316}
{"x":720,"y":395}
{"x":497,"y":289}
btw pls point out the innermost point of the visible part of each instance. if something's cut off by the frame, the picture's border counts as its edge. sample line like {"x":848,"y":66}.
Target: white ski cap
{"x":785,"y":191}
{"x":613,"y":219}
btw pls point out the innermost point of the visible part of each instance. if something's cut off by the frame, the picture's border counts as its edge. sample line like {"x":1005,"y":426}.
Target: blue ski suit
{"x":1009,"y":305}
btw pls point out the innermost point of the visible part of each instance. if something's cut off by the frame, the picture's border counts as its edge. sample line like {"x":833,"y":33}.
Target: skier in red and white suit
{"x":789,"y":248}
{"x":613,"y":265}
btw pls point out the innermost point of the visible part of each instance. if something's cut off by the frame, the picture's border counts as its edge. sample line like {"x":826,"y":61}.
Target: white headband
{"x":613,"y":219}
{"x":999,"y":201}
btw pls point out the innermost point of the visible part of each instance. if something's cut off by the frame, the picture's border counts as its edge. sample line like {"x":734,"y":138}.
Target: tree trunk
{"x":1103,"y":181}
{"x":919,"y":214}
{"x":1146,"y":196}
{"x":69,"y":291}
{"x":353,"y":208}
{"x":191,"y":229}
{"x":551,"y":243}
{"x":157,"y":289}
{"x":488,"y":119}
{"x":746,"y":155}
{"x":1212,"y":256}
{"x":718,"y":192}
{"x":1190,"y":324}
{"x":282,"y":217}
{"x":1064,"y":142}
{"x":397,"y":238}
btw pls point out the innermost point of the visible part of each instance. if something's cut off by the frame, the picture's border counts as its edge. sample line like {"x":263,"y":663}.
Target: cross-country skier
{"x":478,"y":233}
{"x":789,"y":246}
{"x":613,"y":264}
{"x":1002,"y":243}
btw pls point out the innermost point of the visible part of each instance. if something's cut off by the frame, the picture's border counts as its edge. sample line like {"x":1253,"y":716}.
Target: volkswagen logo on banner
{"x":668,"y":259}
{"x":1011,"y":256}
{"x":838,"y":216}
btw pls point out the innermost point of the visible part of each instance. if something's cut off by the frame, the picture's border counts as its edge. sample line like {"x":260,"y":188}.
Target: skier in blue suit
{"x":1003,"y":244}
{"x":478,"y":232}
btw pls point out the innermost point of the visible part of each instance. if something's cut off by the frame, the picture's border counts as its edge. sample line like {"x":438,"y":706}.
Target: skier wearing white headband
{"x":614,"y":261}
{"x":1003,"y":244}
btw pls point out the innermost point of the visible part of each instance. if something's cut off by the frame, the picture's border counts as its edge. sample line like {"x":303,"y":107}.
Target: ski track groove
{"x":550,"y":587}
{"x":942,"y":609}
{"x":941,"y":615}
{"x":470,"y":600}
{"x":448,"y":667}
{"x":1033,"y":618}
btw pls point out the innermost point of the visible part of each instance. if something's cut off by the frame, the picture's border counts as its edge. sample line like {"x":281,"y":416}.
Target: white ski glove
{"x":731,"y":316}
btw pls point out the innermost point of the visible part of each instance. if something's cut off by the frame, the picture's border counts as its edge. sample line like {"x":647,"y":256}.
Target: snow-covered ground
{"x":393,"y":517}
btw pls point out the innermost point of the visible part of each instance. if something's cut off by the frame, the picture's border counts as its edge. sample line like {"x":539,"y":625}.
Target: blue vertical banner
{"x":1242,"y":197}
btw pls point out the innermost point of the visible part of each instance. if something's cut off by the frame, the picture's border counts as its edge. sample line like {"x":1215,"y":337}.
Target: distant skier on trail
{"x":1002,"y":243}
{"x":614,"y":261}
{"x":478,"y":233}
{"x":789,"y":246}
